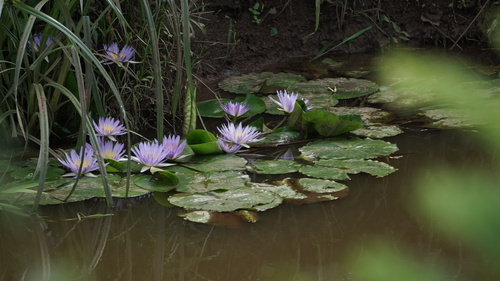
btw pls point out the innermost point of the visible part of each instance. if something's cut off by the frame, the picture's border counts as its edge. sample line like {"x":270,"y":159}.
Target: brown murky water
{"x":147,"y":241}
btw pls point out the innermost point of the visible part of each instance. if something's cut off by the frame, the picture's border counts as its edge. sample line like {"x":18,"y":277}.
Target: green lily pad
{"x":328,"y":124}
{"x":324,"y":172}
{"x":203,"y":182}
{"x":228,"y":200}
{"x":354,"y":148}
{"x":265,"y":82}
{"x":378,"y":131}
{"x":197,"y":216}
{"x":448,"y":118}
{"x":163,"y":181}
{"x":274,"y":167}
{"x":283,"y":190}
{"x":355,"y":166}
{"x":316,"y":101}
{"x":26,"y":173}
{"x":340,"y":88}
{"x":214,"y":163}
{"x":321,"y":186}
{"x":278,"y":138}
{"x":203,"y":142}
{"x":368,"y":114}
{"x":211,"y":108}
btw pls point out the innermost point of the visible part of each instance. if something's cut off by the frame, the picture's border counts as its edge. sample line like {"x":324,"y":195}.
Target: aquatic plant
{"x":239,"y":135}
{"x":78,"y":166}
{"x":174,"y":147}
{"x":235,"y":109}
{"x":37,"y":41}
{"x":115,"y":55}
{"x":110,"y":149}
{"x":228,"y":147}
{"x":109,"y":127}
{"x":286,"y":101}
{"x":150,"y":155}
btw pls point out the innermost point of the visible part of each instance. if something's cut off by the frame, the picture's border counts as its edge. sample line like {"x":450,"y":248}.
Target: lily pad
{"x":211,"y":108}
{"x":228,"y":200}
{"x":264,"y":82}
{"x":277,"y":138}
{"x":448,"y":118}
{"x":284,"y":191}
{"x":328,"y":124}
{"x":316,"y":101}
{"x":321,"y":186}
{"x":354,"y":148}
{"x":274,"y":167}
{"x":324,"y":172}
{"x":162,"y":181}
{"x":368,"y":114}
{"x":26,"y":173}
{"x":198,"y":216}
{"x":355,"y":166}
{"x":203,"y":142}
{"x":214,"y":163}
{"x":203,"y":182}
{"x":340,"y":88}
{"x":378,"y":131}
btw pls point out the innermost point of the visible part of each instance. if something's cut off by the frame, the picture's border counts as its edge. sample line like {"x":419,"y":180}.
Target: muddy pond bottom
{"x":319,"y":241}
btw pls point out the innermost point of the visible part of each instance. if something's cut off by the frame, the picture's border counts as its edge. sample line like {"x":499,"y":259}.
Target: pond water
{"x":148,"y":241}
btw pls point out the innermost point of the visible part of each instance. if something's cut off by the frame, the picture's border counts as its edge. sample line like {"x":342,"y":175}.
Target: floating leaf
{"x":322,"y":186}
{"x":211,"y":108}
{"x":340,"y":88}
{"x":328,"y":124}
{"x":284,"y":191}
{"x":203,"y":182}
{"x":279,"y":137}
{"x":197,"y":216}
{"x":324,"y":172}
{"x":354,"y":148}
{"x":355,"y":166}
{"x":448,"y":118}
{"x":265,"y":82}
{"x":26,"y":173}
{"x":203,"y":142}
{"x":274,"y":167}
{"x":378,"y":131}
{"x":227,"y":201}
{"x":160,"y":181}
{"x":368,"y":114}
{"x":213,"y":163}
{"x":316,"y":100}
{"x":256,"y":104}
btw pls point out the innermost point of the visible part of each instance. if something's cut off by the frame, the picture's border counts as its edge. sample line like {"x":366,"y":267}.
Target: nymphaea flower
{"x":37,"y":41}
{"x":109,"y":127}
{"x":286,"y":101}
{"x":239,"y":135}
{"x":235,"y":109}
{"x":228,"y":147}
{"x":174,"y":147}
{"x":110,"y":149}
{"x":115,"y":55}
{"x":151,"y":155}
{"x":73,"y":160}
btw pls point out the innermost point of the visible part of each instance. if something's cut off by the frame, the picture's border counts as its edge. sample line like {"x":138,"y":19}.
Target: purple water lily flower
{"x":114,"y":54}
{"x":235,"y":109}
{"x":286,"y":101}
{"x":228,"y":147}
{"x":174,"y":147}
{"x":109,"y":127}
{"x":240,"y":135}
{"x":150,"y":155}
{"x":73,"y":160}
{"x":110,"y":149}
{"x":37,"y":40}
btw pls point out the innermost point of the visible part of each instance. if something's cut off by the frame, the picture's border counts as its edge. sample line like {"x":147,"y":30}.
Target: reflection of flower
{"x":238,"y":134}
{"x":109,"y":127}
{"x":235,"y":109}
{"x":173,"y":145}
{"x":286,"y":101}
{"x":37,"y":40}
{"x":73,"y":160}
{"x":228,"y":147}
{"x":114,"y":54}
{"x":110,"y":149}
{"x":150,"y":154}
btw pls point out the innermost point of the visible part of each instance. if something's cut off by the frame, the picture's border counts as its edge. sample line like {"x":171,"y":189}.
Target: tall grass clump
{"x":57,"y":75}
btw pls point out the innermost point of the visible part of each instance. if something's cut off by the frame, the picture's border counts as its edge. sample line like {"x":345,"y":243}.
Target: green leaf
{"x":227,"y":201}
{"x":203,"y":182}
{"x":354,"y":148}
{"x":339,"y":88}
{"x":203,"y":142}
{"x":322,"y":186}
{"x":265,"y":82}
{"x":211,"y":108}
{"x":328,"y":124}
{"x":355,"y":166}
{"x":256,"y":104}
{"x":215,"y":163}
{"x":284,"y":191}
{"x":114,"y":166}
{"x":324,"y":172}
{"x":274,"y":167}
{"x":279,"y":137}
{"x":378,"y":131}
{"x":161,"y":181}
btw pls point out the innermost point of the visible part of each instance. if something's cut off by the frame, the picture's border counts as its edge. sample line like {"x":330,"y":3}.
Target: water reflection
{"x":147,"y":241}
